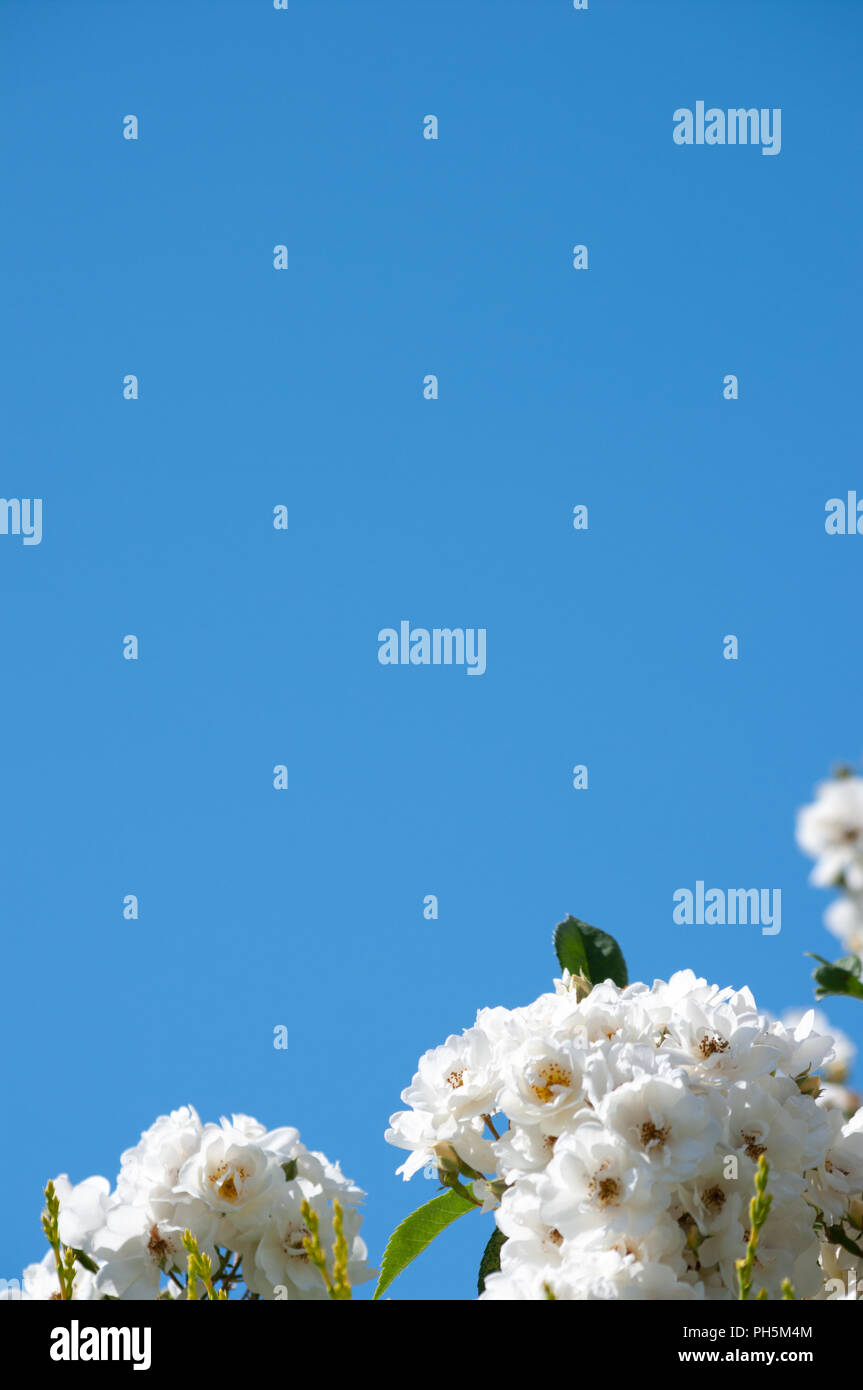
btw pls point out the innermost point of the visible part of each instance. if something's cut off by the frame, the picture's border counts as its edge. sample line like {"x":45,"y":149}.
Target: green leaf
{"x":86,"y":1261}
{"x":416,"y":1232}
{"x":290,"y":1169}
{"x":853,"y":964}
{"x":841,"y":978}
{"x":490,"y":1261}
{"x":585,"y":950}
{"x":569,"y":946}
{"x":837,"y":1236}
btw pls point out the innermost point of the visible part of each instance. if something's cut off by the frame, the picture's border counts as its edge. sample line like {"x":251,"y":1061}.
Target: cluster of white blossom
{"x":617,"y":1135}
{"x":830,"y":831}
{"x":237,"y":1187}
{"x":835,"y":1071}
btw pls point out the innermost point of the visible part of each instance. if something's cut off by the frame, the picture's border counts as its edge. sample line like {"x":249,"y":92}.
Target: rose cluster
{"x":236,"y":1186}
{"x":617,"y":1134}
{"x":830,"y":831}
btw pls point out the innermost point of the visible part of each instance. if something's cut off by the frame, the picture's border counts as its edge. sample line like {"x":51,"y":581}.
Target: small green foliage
{"x":341,"y":1287}
{"x":587,"y":952}
{"x":837,"y":1235}
{"x":64,"y":1256}
{"x":337,"y":1284}
{"x":759,"y":1209}
{"x":418,"y":1230}
{"x":841,"y":977}
{"x":199,"y":1268}
{"x":490,"y":1261}
{"x":86,"y":1262}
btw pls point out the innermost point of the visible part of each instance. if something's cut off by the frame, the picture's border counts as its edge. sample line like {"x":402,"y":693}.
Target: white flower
{"x":788,"y":1249}
{"x":839,"y":1098}
{"x":843,"y":1274}
{"x":521,"y":1283}
{"x":236,"y":1186}
{"x":813,"y":1029}
{"x":486,"y":1195}
{"x":777,"y":1120}
{"x":630,"y":1126}
{"x":838,"y":1178}
{"x":523,"y":1149}
{"x":806,"y":1040}
{"x":714,"y":1210}
{"x":278,"y":1266}
{"x":663,"y":1241}
{"x":607,"y":1275}
{"x":82,"y":1209}
{"x":830,"y":831}
{"x":228,"y":1172}
{"x":39,"y":1282}
{"x":453,"y":1089}
{"x":317,"y":1168}
{"x":670,"y":1128}
{"x":723,"y":1036}
{"x":152,"y":1168}
{"x":543,"y":1082}
{"x":625,"y":1278}
{"x":253,"y":1129}
{"x":664,"y":999}
{"x":136,"y":1250}
{"x":529,"y":1237}
{"x":595,"y":1179}
{"x":609,"y":1014}
{"x":844,"y":918}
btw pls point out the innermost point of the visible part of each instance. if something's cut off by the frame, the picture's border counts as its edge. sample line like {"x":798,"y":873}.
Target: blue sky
{"x":257,"y":647}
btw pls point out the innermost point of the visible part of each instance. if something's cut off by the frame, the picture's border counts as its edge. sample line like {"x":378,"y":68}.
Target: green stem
{"x":759,"y":1209}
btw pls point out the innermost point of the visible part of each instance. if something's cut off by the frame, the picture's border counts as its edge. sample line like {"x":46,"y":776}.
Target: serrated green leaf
{"x":490,"y":1261}
{"x":569,"y":946}
{"x":583,"y":949}
{"x":418,"y":1230}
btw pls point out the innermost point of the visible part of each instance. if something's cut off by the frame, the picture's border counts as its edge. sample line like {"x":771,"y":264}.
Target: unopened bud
{"x":810,"y":1084}
{"x":448,"y":1160}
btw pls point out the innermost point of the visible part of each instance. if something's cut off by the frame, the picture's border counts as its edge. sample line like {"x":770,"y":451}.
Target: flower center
{"x":224,"y":1181}
{"x":606,"y":1191}
{"x":157,"y":1246}
{"x":754,"y":1150}
{"x":652,"y":1134}
{"x":550,"y":1075}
